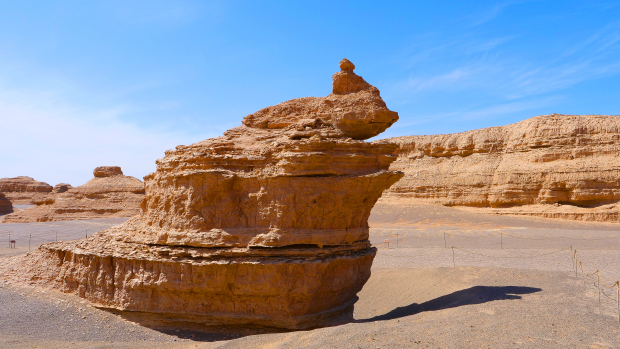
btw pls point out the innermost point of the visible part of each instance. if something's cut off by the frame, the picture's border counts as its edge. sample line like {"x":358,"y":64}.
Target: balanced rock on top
{"x":266,"y":225}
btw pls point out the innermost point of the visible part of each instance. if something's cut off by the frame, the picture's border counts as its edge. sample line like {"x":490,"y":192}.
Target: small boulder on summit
{"x":107,"y":171}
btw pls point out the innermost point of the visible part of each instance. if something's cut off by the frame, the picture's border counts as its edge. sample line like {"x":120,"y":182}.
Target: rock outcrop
{"x":109,"y":195}
{"x":563,"y":166}
{"x":5,"y":205}
{"x":264,"y":226}
{"x":23,"y":190}
{"x":61,"y":188}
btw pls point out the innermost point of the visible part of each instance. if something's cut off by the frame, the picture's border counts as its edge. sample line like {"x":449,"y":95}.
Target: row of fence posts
{"x":386,"y":242}
{"x":12,"y":243}
{"x":576,"y":263}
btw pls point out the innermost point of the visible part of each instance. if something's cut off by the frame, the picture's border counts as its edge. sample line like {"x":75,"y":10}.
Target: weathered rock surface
{"x":23,"y":190}
{"x":563,"y":166}
{"x":5,"y":205}
{"x":109,"y":195}
{"x":266,"y":225}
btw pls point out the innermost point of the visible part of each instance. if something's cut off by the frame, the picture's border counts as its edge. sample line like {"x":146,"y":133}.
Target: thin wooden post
{"x":444,"y":240}
{"x":598,"y":285}
{"x":453,"y":262}
{"x":561,"y":241}
{"x":618,"y":299}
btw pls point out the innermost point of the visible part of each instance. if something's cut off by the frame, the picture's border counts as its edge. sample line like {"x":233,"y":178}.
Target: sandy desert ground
{"x":420,"y":294}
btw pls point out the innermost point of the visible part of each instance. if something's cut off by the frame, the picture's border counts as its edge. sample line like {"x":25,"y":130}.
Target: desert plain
{"x":418,"y":296}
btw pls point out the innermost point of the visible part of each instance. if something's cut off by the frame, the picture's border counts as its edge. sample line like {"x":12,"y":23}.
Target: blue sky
{"x":90,"y":83}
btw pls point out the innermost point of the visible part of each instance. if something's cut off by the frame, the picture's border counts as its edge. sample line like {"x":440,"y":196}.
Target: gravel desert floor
{"x":454,"y":279}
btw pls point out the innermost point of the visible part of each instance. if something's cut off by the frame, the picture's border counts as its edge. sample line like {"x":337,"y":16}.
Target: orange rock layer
{"x":266,"y":225}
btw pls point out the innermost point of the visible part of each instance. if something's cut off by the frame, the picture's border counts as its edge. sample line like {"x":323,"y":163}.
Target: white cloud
{"x":54,"y":141}
{"x":442,"y":81}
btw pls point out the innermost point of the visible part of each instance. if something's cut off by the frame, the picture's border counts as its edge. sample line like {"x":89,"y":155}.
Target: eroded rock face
{"x":23,"y":190}
{"x":5,"y":205}
{"x":266,"y":225}
{"x":111,"y":195}
{"x":551,"y":162}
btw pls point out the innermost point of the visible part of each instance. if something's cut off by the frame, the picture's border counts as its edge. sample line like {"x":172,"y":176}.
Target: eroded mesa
{"x":266,"y":225}
{"x":556,"y":166}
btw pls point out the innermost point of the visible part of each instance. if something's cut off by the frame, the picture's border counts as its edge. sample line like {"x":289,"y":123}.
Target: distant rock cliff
{"x":564,"y":166}
{"x":23,"y":190}
{"x":109,"y":195}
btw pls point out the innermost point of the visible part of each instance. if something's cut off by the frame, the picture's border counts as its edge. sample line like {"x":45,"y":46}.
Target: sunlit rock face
{"x":266,"y":225}
{"x":110,"y":194}
{"x":23,"y":190}
{"x":562,"y":166}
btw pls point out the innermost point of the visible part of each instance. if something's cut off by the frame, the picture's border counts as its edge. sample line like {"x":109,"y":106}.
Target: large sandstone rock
{"x":23,"y":190}
{"x":563,"y":166}
{"x":5,"y":205}
{"x":109,"y":195}
{"x":266,"y":225}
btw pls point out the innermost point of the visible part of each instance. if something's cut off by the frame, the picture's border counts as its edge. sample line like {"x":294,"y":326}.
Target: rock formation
{"x":5,"y":205}
{"x":61,"y":188}
{"x":23,"y":190}
{"x":109,"y":195}
{"x":563,"y":166}
{"x":266,"y":225}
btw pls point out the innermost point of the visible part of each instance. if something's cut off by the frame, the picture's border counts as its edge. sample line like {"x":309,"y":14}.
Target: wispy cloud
{"x":492,"y":12}
{"x":417,"y":84}
{"x":164,"y":11}
{"x":473,"y":114}
{"x":509,"y":75}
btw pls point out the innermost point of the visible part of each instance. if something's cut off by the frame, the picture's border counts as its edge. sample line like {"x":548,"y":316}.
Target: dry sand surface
{"x":415,"y":297}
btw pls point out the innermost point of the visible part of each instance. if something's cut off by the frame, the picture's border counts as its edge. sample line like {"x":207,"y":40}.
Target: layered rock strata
{"x":23,"y":190}
{"x":264,"y":226}
{"x":5,"y":205}
{"x":562,"y":166}
{"x":110,"y":194}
